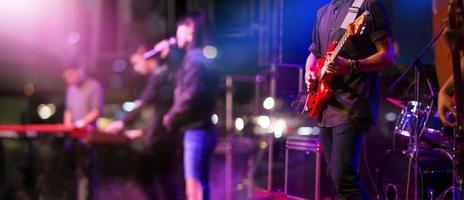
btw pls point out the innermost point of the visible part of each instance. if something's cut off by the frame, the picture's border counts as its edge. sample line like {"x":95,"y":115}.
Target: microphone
{"x":154,"y":51}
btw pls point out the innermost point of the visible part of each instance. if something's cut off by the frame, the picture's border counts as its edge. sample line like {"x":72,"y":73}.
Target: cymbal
{"x":396,"y":102}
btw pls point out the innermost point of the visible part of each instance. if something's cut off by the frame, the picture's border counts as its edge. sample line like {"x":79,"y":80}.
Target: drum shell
{"x":435,"y":173}
{"x":407,"y":120}
{"x":432,"y":132}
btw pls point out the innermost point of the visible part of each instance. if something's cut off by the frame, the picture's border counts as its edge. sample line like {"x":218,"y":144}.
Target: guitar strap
{"x":350,"y":17}
{"x":352,"y":13}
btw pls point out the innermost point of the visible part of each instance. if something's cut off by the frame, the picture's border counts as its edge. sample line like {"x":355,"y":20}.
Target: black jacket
{"x":195,"y":93}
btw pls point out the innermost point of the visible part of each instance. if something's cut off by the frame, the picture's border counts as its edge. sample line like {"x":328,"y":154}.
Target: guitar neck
{"x":334,"y":54}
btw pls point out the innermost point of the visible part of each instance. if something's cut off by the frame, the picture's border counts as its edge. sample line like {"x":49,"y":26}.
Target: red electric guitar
{"x":317,"y":97}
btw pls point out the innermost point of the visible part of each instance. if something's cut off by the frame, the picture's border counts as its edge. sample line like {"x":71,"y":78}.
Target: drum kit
{"x":427,"y":167}
{"x":424,"y":167}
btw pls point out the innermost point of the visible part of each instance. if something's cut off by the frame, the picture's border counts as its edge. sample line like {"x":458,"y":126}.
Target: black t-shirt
{"x":355,"y":97}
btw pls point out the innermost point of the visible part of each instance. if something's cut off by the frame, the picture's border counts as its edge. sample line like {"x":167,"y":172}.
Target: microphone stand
{"x":414,"y":146}
{"x":417,"y":59}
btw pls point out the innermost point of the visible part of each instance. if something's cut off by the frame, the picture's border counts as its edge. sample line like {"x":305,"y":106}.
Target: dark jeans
{"x":342,"y":151}
{"x":198,"y":147}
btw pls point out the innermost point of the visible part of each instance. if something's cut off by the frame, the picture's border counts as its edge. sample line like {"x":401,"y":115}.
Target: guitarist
{"x":353,"y":106}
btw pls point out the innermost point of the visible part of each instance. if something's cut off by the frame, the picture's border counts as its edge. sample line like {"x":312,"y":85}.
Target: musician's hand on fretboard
{"x":339,"y":66}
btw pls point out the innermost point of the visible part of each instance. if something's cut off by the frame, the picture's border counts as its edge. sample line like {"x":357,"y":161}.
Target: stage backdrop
{"x":298,"y":21}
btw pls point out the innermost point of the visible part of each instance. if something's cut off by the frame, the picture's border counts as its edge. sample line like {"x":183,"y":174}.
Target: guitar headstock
{"x":358,"y":26}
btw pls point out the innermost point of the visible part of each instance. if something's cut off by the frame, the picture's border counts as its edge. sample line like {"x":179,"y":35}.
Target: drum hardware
{"x":415,"y":129}
{"x":432,"y":132}
{"x":450,"y":192}
{"x":421,"y":118}
{"x":391,"y":192}
{"x":395,"y":180}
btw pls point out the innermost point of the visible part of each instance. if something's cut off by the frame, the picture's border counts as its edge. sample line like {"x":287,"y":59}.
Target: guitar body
{"x":318,"y":96}
{"x":316,"y":99}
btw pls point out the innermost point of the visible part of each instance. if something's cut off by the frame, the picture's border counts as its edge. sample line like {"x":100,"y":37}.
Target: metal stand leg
{"x":270,"y":164}
{"x":286,"y":170}
{"x":317,"y":187}
{"x":229,"y":129}
{"x":457,"y":182}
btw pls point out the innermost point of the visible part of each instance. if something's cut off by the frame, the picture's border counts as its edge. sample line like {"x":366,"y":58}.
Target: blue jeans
{"x":342,"y":150}
{"x":198,"y":148}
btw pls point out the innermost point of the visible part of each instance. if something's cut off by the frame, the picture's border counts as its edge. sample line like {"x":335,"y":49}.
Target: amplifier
{"x":303,"y":164}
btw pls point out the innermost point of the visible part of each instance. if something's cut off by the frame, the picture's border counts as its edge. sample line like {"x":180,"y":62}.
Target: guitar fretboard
{"x":334,"y":54}
{"x":340,"y":44}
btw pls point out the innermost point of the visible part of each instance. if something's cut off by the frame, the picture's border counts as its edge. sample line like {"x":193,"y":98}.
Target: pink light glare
{"x":20,"y":16}
{"x":15,"y":11}
{"x":39,"y":25}
{"x":74,"y":37}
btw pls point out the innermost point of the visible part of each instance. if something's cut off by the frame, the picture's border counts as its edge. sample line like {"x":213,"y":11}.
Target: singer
{"x":195,"y":97}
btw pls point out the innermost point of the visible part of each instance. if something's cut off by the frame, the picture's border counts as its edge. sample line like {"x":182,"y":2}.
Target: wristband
{"x":355,"y":66}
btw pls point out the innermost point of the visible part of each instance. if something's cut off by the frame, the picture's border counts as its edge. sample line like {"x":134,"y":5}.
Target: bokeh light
{"x":279,"y":128}
{"x":210,"y":52}
{"x":269,"y":103}
{"x":263,"y":121}
{"x":128,"y":106}
{"x":239,"y":124}
{"x":45,"y":111}
{"x":305,"y":131}
{"x":215,"y":119}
